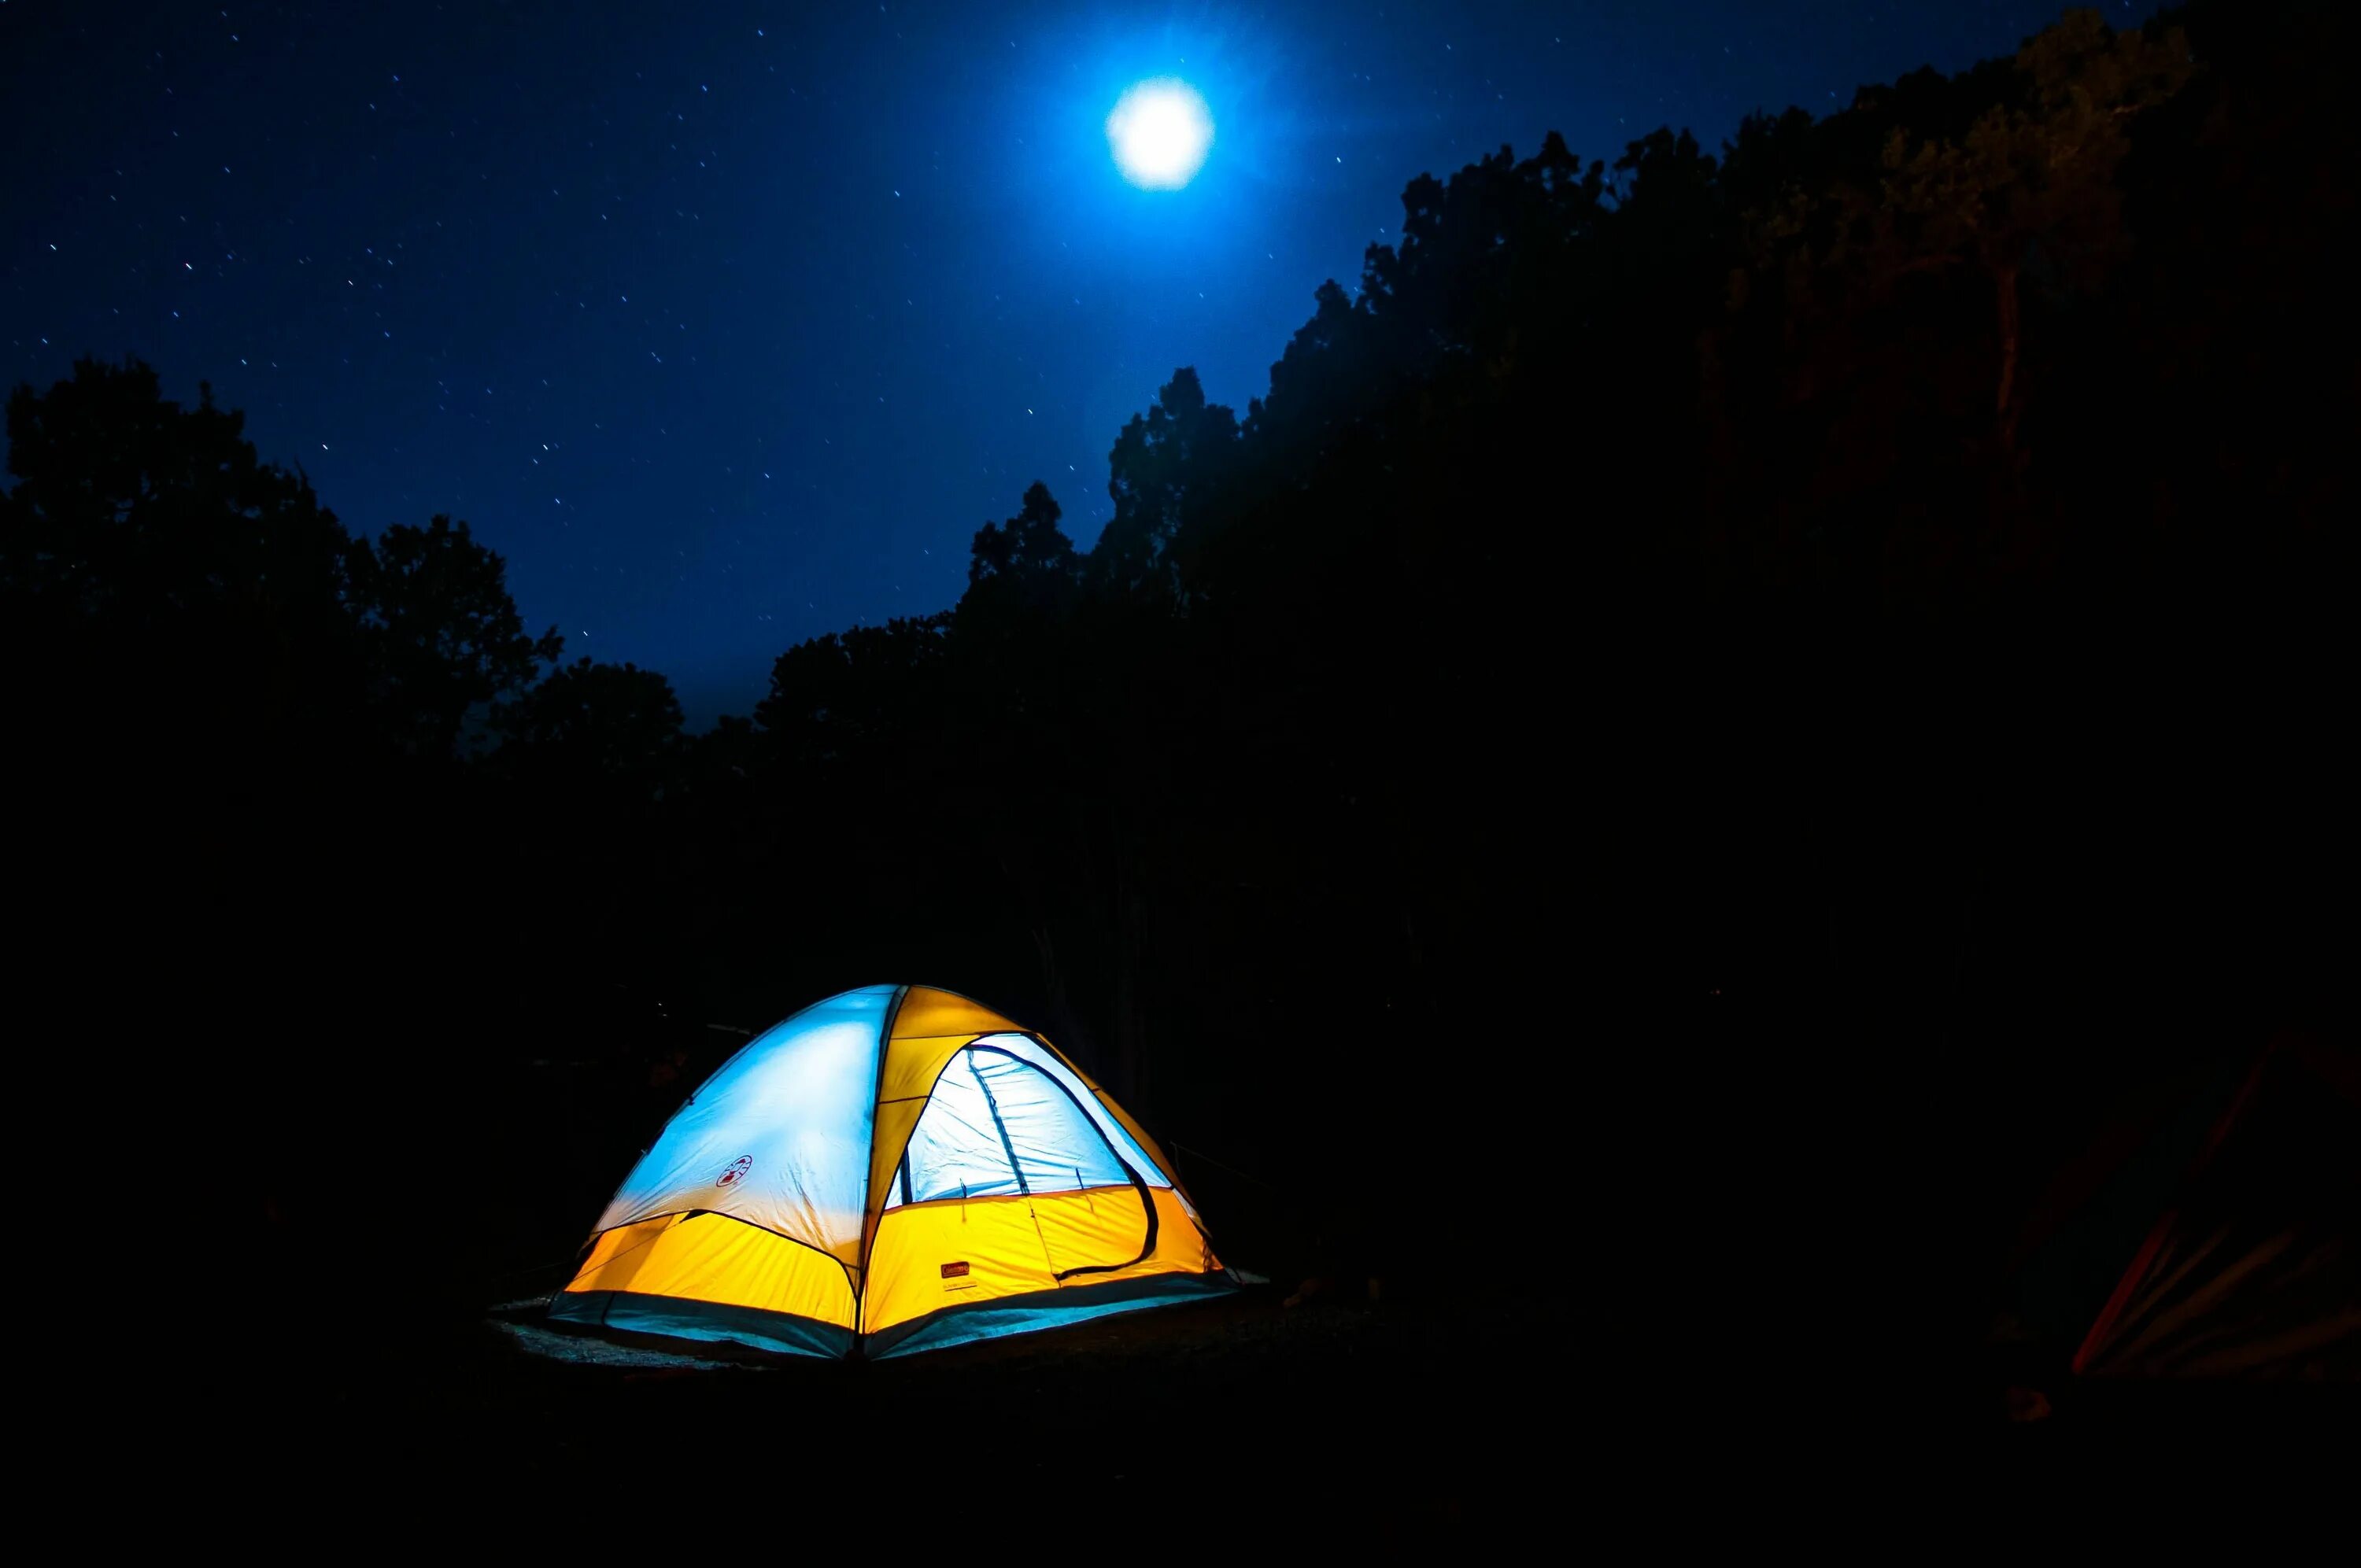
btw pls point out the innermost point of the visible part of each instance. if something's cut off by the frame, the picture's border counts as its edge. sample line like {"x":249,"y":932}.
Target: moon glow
{"x":1159,"y":133}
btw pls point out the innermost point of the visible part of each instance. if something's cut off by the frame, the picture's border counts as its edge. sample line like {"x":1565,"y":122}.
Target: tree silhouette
{"x":144,"y":537}
{"x":835,"y":696}
{"x":442,"y":634}
{"x":594,"y":722}
{"x":1025,"y":565}
{"x":127,"y":504}
{"x":1166,"y":471}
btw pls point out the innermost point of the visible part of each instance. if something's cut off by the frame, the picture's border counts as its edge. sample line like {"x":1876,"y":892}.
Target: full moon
{"x":1160,"y":132}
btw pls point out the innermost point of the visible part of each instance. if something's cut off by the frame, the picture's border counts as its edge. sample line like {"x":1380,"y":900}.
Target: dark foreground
{"x":1176,"y":1420}
{"x":1238,"y":1421}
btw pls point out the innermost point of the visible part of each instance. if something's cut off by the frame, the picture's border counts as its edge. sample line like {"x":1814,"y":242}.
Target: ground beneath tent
{"x":1367,"y":1414}
{"x":1429,"y":1420}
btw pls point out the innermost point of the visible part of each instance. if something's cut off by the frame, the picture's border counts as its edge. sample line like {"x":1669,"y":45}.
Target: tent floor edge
{"x":1033,"y":1311}
{"x":677,"y":1317}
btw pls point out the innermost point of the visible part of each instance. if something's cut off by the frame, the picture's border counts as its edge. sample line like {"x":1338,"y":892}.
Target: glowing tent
{"x":892,"y":1169}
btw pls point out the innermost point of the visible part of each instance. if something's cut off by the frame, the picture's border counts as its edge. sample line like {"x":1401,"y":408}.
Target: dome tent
{"x":894,"y":1168}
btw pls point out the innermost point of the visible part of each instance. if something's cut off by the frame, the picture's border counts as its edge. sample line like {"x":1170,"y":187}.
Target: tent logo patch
{"x":738,"y":1168}
{"x":955,"y":1271}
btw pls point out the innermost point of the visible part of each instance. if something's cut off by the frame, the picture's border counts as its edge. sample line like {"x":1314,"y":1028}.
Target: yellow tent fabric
{"x":947,"y":1254}
{"x":925,"y":1012}
{"x":1000,"y":1190}
{"x":712,"y":1257}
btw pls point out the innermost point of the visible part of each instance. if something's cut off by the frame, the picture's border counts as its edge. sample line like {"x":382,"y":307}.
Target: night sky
{"x":730,"y":324}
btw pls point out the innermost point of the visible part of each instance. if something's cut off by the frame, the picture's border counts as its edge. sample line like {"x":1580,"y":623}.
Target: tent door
{"x":1089,"y":1225}
{"x":1112,"y":1230}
